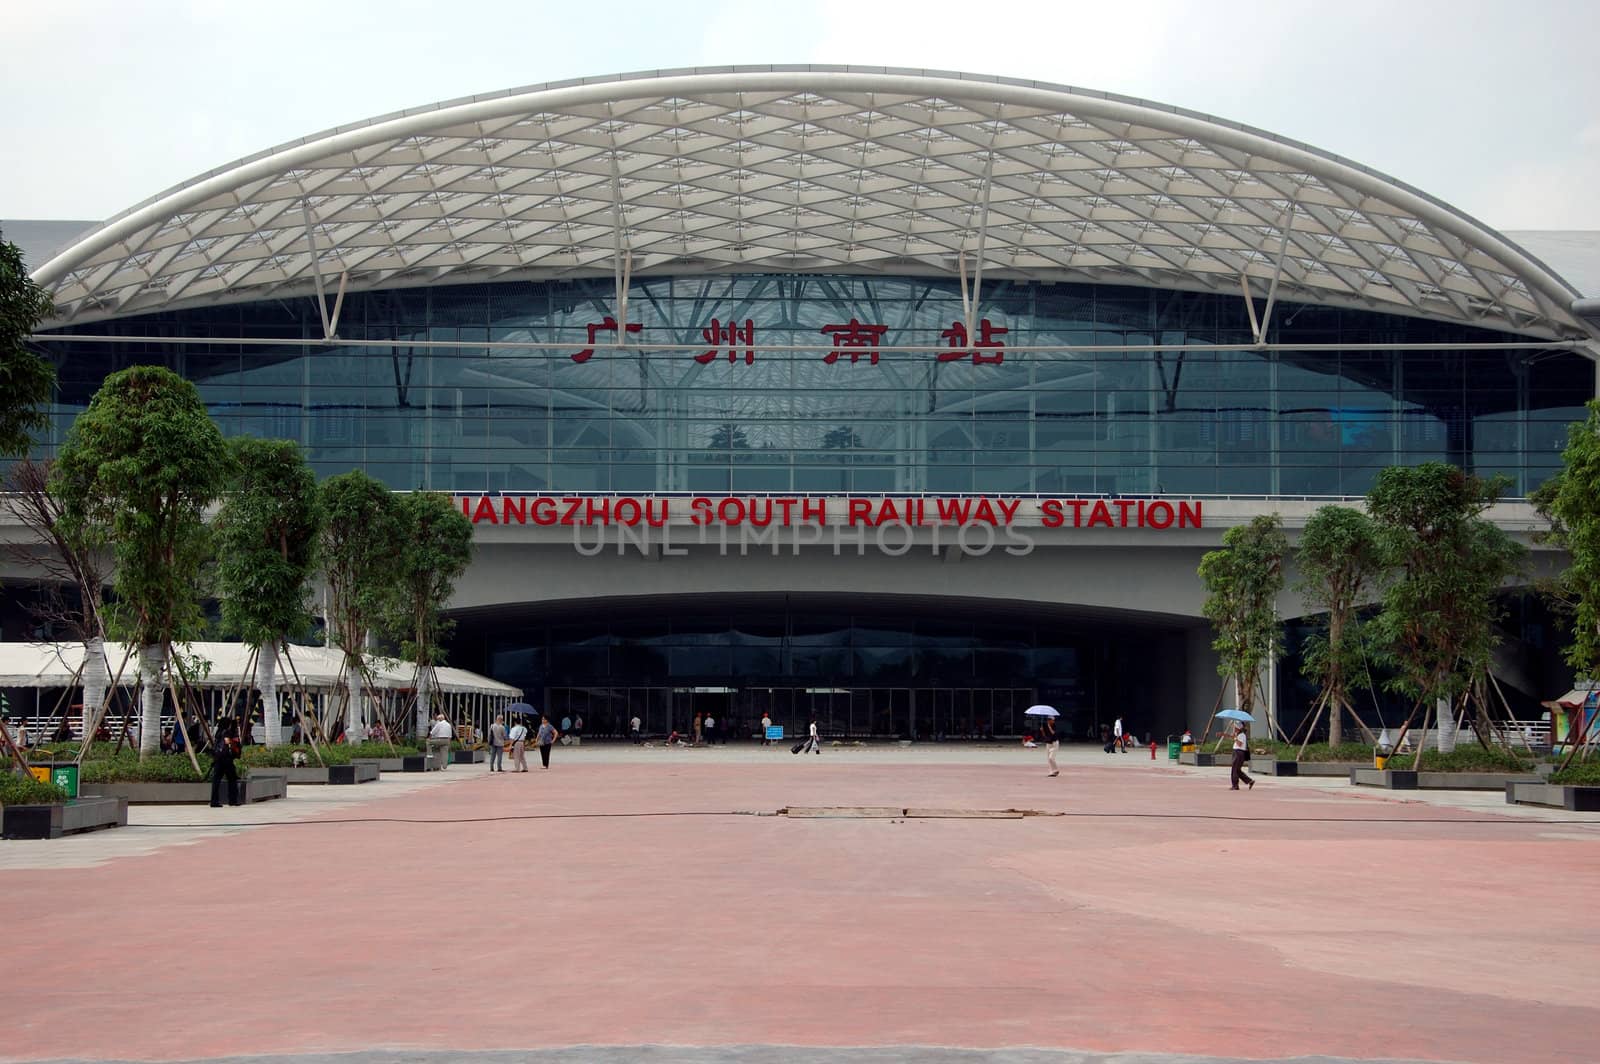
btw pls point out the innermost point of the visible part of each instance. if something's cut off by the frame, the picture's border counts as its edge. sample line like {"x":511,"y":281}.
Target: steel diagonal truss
{"x":807,"y":170}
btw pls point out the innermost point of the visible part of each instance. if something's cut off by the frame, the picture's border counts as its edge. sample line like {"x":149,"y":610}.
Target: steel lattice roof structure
{"x":806,"y":169}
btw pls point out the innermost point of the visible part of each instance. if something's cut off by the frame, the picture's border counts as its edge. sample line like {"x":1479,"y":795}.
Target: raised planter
{"x":469,"y":757}
{"x":62,"y":818}
{"x":1577,"y":799}
{"x":262,"y":785}
{"x":418,"y":763}
{"x":1199,"y":760}
{"x":1262,"y":766}
{"x":1405,"y":780}
{"x":355,"y":772}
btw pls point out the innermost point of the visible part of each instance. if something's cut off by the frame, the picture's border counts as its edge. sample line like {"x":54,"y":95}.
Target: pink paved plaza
{"x":1318,"y":922}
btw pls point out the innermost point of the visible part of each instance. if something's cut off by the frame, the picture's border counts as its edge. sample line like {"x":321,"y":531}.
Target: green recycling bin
{"x":1173,"y":746}
{"x":66,"y":777}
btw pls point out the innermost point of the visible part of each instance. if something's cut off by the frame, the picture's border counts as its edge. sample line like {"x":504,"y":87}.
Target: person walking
{"x":698,"y":726}
{"x":766,"y":722}
{"x":439,"y":740}
{"x":519,"y":746}
{"x":813,"y":740}
{"x":497,"y":745}
{"x":1241,"y":750}
{"x":710,"y":726}
{"x":224,"y":752}
{"x":634,"y":730}
{"x":1116,"y":733}
{"x":1052,"y":742}
{"x":547,"y":738}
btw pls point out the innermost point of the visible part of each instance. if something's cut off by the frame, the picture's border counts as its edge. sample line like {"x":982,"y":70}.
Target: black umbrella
{"x":522,"y":708}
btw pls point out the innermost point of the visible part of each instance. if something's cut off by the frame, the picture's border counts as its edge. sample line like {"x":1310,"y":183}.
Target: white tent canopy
{"x":227,"y":665}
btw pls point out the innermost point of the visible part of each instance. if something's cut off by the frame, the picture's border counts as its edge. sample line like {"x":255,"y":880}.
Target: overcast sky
{"x":1490,"y":106}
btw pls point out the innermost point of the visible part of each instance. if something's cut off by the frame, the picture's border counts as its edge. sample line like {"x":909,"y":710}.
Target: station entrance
{"x":879,"y":667}
{"x":840,"y":712}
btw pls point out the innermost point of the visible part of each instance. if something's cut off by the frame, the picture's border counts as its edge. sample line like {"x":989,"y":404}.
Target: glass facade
{"x":781,"y":389}
{"x":861,"y":668}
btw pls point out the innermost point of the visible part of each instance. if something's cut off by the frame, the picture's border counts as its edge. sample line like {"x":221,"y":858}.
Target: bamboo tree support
{"x":1215,"y":706}
{"x":13,"y":749}
{"x":188,"y":746}
{"x":1325,"y":702}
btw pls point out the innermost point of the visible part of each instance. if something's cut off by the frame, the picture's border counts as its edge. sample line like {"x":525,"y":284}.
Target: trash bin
{"x":66,"y":777}
{"x":1380,"y":755}
{"x":1173,"y":747}
{"x":1188,"y":743}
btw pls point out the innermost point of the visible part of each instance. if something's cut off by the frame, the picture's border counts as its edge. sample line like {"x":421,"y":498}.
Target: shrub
{"x":25,"y":790}
{"x":1465,"y":759}
{"x":283,"y":756}
{"x":1584,"y":774}
{"x":157,"y":768}
{"x":371,"y":748}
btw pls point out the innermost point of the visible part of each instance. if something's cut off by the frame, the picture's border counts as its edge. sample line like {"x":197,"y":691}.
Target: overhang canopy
{"x":806,"y":169}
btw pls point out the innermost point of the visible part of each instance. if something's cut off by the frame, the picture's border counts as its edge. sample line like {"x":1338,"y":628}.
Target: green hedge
{"x":1585,"y":774}
{"x":25,"y":790}
{"x":1314,"y":751}
{"x":401,"y":748}
{"x":1472,"y":758}
{"x":157,"y":768}
{"x":332,"y":754}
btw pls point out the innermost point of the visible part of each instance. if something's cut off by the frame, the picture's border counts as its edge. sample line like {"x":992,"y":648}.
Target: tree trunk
{"x":424,"y":699}
{"x":1335,"y":681}
{"x":356,"y":727}
{"x":267,"y":684}
{"x":152,"y":676}
{"x":96,"y":679}
{"x":1445,"y":720}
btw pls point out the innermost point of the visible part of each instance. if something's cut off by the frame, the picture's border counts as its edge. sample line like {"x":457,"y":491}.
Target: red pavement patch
{"x":1269,"y":938}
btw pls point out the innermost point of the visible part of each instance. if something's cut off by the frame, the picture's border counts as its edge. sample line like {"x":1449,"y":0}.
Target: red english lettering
{"x":859,"y":511}
{"x":517,"y":507}
{"x":1101,"y":515}
{"x":485,"y":510}
{"x":570,"y":515}
{"x":602,"y":511}
{"x":766,"y":514}
{"x":1122,"y":507}
{"x":628,"y":512}
{"x":786,"y":506}
{"x":1189,"y":515}
{"x":984,"y":512}
{"x":730,"y":511}
{"x":1007,"y":513}
{"x":700,"y":511}
{"x":544,"y":511}
{"x":814,"y":510}
{"x":1160,"y":514}
{"x":1077,"y":511}
{"x":1052,"y":513}
{"x":650,"y":512}
{"x":954,"y":511}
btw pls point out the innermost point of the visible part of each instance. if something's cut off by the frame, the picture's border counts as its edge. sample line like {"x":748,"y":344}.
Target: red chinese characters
{"x":855,"y":338}
{"x":718,"y":334}
{"x":957,"y":335}
{"x":594,"y":327}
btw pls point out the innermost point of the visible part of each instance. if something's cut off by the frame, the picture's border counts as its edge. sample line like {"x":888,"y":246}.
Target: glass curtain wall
{"x":781,"y":386}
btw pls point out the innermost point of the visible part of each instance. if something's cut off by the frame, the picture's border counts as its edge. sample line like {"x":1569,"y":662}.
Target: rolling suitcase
{"x":797,"y":747}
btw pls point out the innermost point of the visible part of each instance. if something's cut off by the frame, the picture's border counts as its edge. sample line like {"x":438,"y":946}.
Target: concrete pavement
{"x":632,"y":898}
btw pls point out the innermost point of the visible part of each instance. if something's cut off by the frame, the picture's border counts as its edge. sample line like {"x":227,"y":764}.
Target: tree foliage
{"x":1242,"y":581}
{"x":1340,"y":565}
{"x":136,"y":473}
{"x":437,"y":547}
{"x":1570,"y":501}
{"x":1439,"y":612}
{"x":267,"y":530}
{"x":361,"y":541}
{"x":26,"y":379}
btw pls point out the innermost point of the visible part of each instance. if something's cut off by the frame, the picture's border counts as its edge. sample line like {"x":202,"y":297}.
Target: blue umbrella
{"x":1235,"y":714}
{"x":523,"y":708}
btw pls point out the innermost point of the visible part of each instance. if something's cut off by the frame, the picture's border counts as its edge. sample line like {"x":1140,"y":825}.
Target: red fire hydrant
{"x":1152,"y":749}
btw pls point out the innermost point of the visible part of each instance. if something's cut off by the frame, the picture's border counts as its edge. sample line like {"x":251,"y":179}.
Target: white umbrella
{"x":1040,"y":711}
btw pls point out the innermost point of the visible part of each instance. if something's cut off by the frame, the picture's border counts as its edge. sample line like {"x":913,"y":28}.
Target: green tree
{"x":361,"y":540}
{"x":1340,"y":564}
{"x":267,"y":530}
{"x":843,"y":438}
{"x":26,"y":379}
{"x":1242,"y":582}
{"x":1437,"y":626}
{"x":137,"y":471}
{"x":437,"y":549}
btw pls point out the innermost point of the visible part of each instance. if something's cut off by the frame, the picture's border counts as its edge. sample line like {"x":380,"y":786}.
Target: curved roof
{"x":806,"y":169}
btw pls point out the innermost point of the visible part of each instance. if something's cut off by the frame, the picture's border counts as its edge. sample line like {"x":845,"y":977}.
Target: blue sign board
{"x":775,"y":731}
